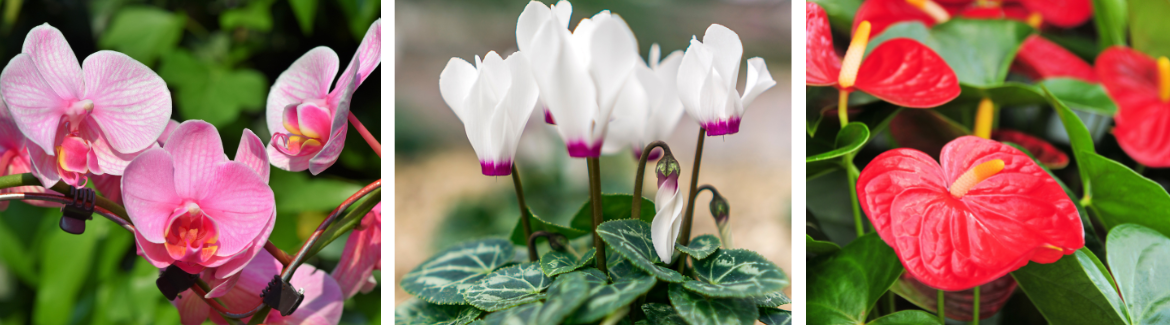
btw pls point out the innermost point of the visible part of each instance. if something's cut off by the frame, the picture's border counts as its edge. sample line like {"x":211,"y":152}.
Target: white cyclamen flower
{"x":493,"y":99}
{"x":707,"y":77}
{"x":667,"y":221}
{"x":648,"y":107}
{"x":579,"y":74}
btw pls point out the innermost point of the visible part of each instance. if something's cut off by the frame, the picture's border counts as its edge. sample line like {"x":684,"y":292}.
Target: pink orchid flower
{"x":307,"y":121}
{"x":362,"y":255}
{"x":110,"y":186}
{"x":322,"y":303}
{"x":195,"y":209}
{"x":14,"y":157}
{"x":90,"y":118}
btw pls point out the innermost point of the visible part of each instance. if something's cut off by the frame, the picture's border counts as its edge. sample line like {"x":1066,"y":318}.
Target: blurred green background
{"x":219,"y":59}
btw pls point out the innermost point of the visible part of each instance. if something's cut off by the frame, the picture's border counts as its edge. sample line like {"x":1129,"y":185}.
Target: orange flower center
{"x":852,"y":60}
{"x":974,"y":176}
{"x":192,"y":233}
{"x":1164,"y":79}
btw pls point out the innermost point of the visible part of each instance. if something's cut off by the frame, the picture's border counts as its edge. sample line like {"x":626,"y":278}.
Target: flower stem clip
{"x":75,"y":213}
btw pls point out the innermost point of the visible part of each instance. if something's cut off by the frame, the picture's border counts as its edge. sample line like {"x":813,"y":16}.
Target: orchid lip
{"x":973,"y":176}
{"x":191,"y":236}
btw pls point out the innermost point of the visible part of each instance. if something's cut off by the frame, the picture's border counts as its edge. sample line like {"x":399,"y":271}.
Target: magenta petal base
{"x":496,"y":168}
{"x":581,"y":149}
{"x":727,"y":127}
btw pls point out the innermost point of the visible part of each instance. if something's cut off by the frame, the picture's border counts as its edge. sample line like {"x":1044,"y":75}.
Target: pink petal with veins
{"x":363,"y":254}
{"x":131,"y":103}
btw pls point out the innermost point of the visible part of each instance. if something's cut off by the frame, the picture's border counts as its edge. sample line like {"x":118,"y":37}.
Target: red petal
{"x":1041,"y":59}
{"x":959,"y":243}
{"x":1143,"y":120}
{"x":1048,"y":154}
{"x":1061,"y":13}
{"x":906,"y":73}
{"x":883,"y":13}
{"x":822,"y":66}
{"x":976,"y":12}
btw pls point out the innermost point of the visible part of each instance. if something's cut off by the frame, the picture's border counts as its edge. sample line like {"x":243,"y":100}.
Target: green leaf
{"x":850,"y":281}
{"x":631,"y":239}
{"x":359,"y":14}
{"x":613,"y":207}
{"x":849,"y":140}
{"x":1119,"y":195}
{"x":907,"y":317}
{"x":1148,"y":25}
{"x":1078,"y":134}
{"x":1081,"y":96}
{"x":1138,"y":258}
{"x":737,"y":273}
{"x":305,"y":11}
{"x":65,"y":261}
{"x":564,"y":296}
{"x":212,"y":92}
{"x":15,"y":256}
{"x":419,"y":312}
{"x":143,"y":33}
{"x":775,"y":316}
{"x":840,"y":13}
{"x":662,"y":314}
{"x":772,"y":300}
{"x":593,"y":277}
{"x":256,"y":15}
{"x":820,"y":247}
{"x":700,"y":247}
{"x":508,"y":287}
{"x":522,"y":315}
{"x":605,"y":299}
{"x":1076,"y":289}
{"x":1110,"y":17}
{"x":980,"y":51}
{"x":698,"y":309}
{"x":538,"y":224}
{"x":441,"y":278}
{"x":557,"y":262}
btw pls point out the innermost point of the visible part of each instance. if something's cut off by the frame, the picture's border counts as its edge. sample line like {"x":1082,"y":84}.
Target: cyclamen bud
{"x":667,"y":219}
{"x":720,"y":210}
{"x":667,"y":170}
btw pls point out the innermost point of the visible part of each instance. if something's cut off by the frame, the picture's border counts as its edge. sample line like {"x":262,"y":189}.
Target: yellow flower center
{"x":974,"y":176}
{"x":852,"y":61}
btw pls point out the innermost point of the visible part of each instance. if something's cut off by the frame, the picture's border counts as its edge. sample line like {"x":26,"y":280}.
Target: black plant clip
{"x":173,"y":280}
{"x":282,"y":296}
{"x":75,"y":213}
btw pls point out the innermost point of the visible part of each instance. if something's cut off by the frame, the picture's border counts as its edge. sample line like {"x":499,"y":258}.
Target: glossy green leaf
{"x":1110,"y":17}
{"x":700,"y":247}
{"x":557,"y":262}
{"x":419,"y":312}
{"x":907,"y":317}
{"x":820,"y":247}
{"x":593,"y":277}
{"x":537,"y":223}
{"x":143,"y":33}
{"x":772,"y":300}
{"x":828,"y":199}
{"x":606,"y":299}
{"x":564,"y":296}
{"x":15,"y":256}
{"x":66,"y":260}
{"x":631,"y":239}
{"x":359,"y":15}
{"x":305,"y":11}
{"x":1148,"y":26}
{"x":507,"y":287}
{"x":980,"y":51}
{"x":1078,"y":135}
{"x":849,"y":140}
{"x":441,"y":278}
{"x":698,"y":309}
{"x":522,"y":315}
{"x":1119,"y":195}
{"x":212,"y":92}
{"x":613,"y":207}
{"x":1076,"y":289}
{"x":775,"y":316}
{"x":840,"y":14}
{"x":1081,"y":96}
{"x":1139,"y":259}
{"x":662,"y":314}
{"x":737,"y":273}
{"x":130,"y":297}
{"x":255,"y":15}
{"x":849,"y":282}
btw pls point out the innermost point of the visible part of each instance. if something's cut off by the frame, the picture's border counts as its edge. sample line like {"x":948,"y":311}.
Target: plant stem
{"x":524,"y":222}
{"x":852,"y":174}
{"x":975,"y":321}
{"x":890,"y":303}
{"x":373,"y":142}
{"x":636,"y":205}
{"x":942,"y":315}
{"x":843,"y":107}
{"x":685,"y":235}
{"x":260,"y":316}
{"x":595,"y":198}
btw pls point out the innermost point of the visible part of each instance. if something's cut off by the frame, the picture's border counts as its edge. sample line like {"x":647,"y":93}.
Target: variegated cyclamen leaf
{"x":508,"y":287}
{"x":557,"y":262}
{"x":620,"y":268}
{"x":698,"y":309}
{"x":441,"y":278}
{"x":773,"y":300}
{"x":737,"y":273}
{"x":606,"y":299}
{"x":631,"y":239}
{"x":593,"y":277}
{"x":775,"y":316}
{"x":662,"y":314}
{"x":522,"y":315}
{"x":700,"y":247}
{"x":564,"y":296}
{"x":419,"y":312}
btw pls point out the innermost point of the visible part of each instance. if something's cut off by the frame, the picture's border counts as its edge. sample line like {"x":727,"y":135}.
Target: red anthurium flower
{"x":901,"y":71}
{"x":985,"y":211}
{"x":883,"y":13}
{"x":1059,"y":13}
{"x":1041,"y":59}
{"x":1049,"y":155}
{"x":1141,"y":88}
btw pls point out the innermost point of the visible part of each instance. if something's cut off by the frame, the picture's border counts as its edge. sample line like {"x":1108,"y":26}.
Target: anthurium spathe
{"x":195,"y":209}
{"x":308,"y":121}
{"x":1141,"y":88}
{"x":1041,"y":59}
{"x":322,"y":303}
{"x":987,"y":210}
{"x":1049,"y":155}
{"x":90,"y":118}
{"x":494,"y":99}
{"x":579,"y":74}
{"x":883,"y":13}
{"x":648,"y":109}
{"x":1059,"y":13}
{"x":362,"y":255}
{"x":707,"y":76}
{"x":14,"y":156}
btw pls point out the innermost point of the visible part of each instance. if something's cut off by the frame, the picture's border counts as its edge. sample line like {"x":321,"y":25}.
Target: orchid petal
{"x":221,"y":286}
{"x":252,"y":280}
{"x":906,"y":73}
{"x":323,"y":298}
{"x":286,"y":162}
{"x":197,"y":150}
{"x":362,"y":253}
{"x":131,"y":103}
{"x":236,"y":263}
{"x":241,"y":206}
{"x":33,"y":104}
{"x":148,"y":190}
{"x":108,"y":160}
{"x":192,"y":309}
{"x":822,"y":65}
{"x":44,"y":166}
{"x":55,"y":61}
{"x":365,"y":60}
{"x":758,"y":80}
{"x":172,"y":125}
{"x":252,"y":154}
{"x":154,"y":253}
{"x":307,"y":78}
{"x":331,"y":150}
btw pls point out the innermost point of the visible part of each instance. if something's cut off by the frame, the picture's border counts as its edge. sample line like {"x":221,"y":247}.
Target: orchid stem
{"x":595,"y":198}
{"x":685,"y":235}
{"x":942,"y":315}
{"x":852,"y":174}
{"x":636,"y":205}
{"x":260,"y":316}
{"x":843,"y":107}
{"x":373,"y":142}
{"x":524,"y":222}
{"x":975,"y":321}
{"x":891,"y":304}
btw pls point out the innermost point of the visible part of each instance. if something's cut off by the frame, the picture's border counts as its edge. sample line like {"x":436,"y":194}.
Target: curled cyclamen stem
{"x":636,"y":205}
{"x":720,"y":210}
{"x":524,"y":222}
{"x":595,"y":198}
{"x":373,"y":142}
{"x":685,"y":235}
{"x":555,"y":240}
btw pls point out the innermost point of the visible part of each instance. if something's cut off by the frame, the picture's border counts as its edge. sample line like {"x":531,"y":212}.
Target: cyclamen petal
{"x":494,"y":101}
{"x":707,"y":76}
{"x":668,"y":219}
{"x":648,"y":108}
